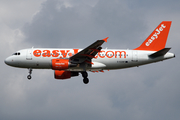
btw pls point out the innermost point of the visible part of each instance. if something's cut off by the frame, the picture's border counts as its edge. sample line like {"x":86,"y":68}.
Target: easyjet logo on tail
{"x":155,"y":35}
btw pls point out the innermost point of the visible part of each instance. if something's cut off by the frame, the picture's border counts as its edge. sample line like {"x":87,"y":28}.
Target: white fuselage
{"x":68,"y":63}
{"x":107,"y":59}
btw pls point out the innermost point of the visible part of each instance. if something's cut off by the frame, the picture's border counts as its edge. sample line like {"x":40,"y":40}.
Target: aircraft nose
{"x":8,"y":61}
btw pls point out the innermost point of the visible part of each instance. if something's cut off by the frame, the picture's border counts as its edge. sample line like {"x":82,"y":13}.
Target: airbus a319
{"x":68,"y":63}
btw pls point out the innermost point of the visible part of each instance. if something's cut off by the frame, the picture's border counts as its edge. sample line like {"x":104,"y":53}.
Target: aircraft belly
{"x":37,"y":63}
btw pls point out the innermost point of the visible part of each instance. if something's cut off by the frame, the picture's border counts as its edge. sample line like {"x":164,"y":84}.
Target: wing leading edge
{"x":88,"y":53}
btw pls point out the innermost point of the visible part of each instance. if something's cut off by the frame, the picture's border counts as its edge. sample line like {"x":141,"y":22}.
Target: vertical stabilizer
{"x":157,"y":39}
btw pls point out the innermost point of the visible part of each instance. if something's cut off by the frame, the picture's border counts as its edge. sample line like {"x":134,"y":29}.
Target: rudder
{"x":157,"y":39}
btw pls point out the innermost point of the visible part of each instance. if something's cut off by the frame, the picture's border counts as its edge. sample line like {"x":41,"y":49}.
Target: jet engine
{"x":61,"y":74}
{"x":61,"y":64}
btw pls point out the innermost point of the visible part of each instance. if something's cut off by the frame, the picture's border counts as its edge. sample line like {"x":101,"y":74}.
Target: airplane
{"x":68,"y":63}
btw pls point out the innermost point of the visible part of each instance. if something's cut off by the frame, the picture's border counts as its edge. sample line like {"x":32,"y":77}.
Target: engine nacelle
{"x":61,"y":64}
{"x":61,"y":74}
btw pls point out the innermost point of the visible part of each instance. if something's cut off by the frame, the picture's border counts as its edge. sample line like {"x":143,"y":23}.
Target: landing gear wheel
{"x":30,"y":72}
{"x":86,"y":80}
{"x":85,"y":75}
{"x":29,"y":77}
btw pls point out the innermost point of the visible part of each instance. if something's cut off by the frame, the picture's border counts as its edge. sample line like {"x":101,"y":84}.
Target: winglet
{"x":105,"y":39}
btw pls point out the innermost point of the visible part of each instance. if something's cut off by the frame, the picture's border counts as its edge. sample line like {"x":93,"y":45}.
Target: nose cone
{"x":12,"y":61}
{"x":7,"y":61}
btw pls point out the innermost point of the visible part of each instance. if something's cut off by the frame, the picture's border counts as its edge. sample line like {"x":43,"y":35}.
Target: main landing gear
{"x":85,"y":79}
{"x":30,"y":72}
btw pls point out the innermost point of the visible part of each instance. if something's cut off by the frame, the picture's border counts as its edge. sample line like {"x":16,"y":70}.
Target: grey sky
{"x":144,"y":93}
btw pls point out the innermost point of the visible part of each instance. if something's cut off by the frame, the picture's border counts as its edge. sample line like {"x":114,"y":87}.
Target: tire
{"x":29,"y":77}
{"x":86,"y":80}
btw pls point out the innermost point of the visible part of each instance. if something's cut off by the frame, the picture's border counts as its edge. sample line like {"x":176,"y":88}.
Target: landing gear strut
{"x":30,"y":72}
{"x":85,"y":75}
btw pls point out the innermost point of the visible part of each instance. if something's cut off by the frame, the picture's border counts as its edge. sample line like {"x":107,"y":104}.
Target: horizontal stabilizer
{"x":159,"y":53}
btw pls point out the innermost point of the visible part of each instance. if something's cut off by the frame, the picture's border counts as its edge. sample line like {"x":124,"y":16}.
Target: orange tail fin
{"x":157,"y":39}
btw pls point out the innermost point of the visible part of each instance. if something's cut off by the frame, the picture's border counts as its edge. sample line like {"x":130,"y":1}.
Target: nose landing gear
{"x":85,"y":75}
{"x":30,"y":72}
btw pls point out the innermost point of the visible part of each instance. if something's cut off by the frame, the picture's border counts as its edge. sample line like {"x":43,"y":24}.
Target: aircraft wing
{"x":88,"y":53}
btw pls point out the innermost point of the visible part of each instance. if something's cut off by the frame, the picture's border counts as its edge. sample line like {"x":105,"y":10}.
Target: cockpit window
{"x":18,"y":53}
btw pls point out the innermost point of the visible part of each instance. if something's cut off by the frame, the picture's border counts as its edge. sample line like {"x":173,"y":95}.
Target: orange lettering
{"x":120,"y":52}
{"x":55,"y":53}
{"x":37,"y":53}
{"x":70,"y":54}
{"x":108,"y":55}
{"x":64,"y":54}
{"x":100,"y":54}
{"x":75,"y":51}
{"x":46,"y":53}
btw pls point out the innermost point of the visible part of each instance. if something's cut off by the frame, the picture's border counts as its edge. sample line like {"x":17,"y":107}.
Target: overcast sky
{"x":149,"y":92}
